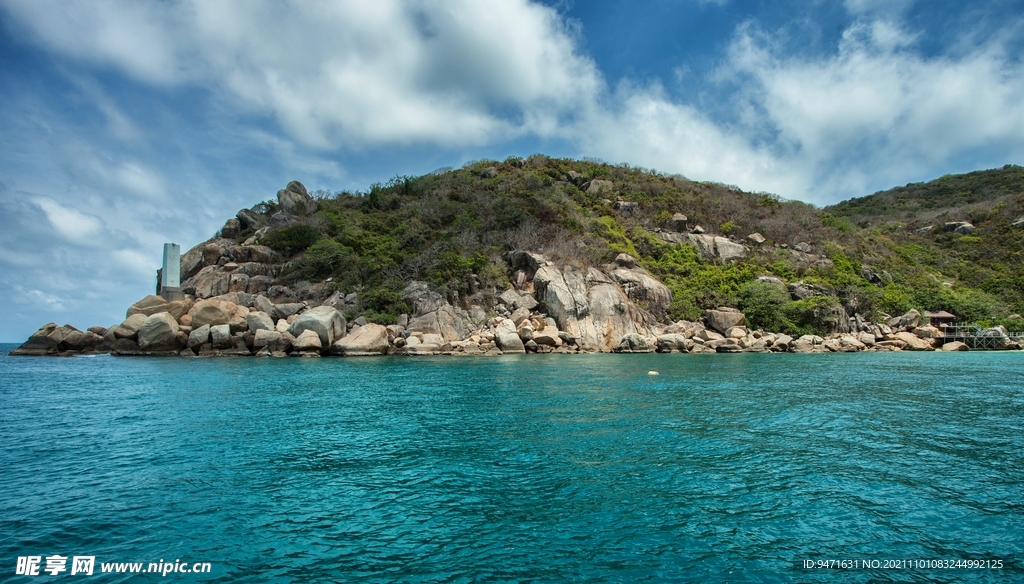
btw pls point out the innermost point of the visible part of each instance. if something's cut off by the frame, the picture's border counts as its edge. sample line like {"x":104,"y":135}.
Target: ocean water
{"x":539,"y":468}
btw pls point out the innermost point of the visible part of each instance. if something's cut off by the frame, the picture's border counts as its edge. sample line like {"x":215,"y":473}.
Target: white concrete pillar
{"x":170,"y":274}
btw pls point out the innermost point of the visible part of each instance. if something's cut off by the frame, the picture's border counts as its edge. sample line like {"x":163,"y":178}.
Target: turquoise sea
{"x":536,"y":468}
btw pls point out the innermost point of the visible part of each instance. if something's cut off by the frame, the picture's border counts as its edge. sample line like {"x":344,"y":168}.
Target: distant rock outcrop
{"x":709,"y":247}
{"x":959,"y":227}
{"x":294,"y":200}
{"x":589,"y":305}
{"x":639,"y":286}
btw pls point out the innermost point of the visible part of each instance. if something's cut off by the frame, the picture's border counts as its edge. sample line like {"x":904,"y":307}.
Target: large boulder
{"x":959,"y":227}
{"x":639,"y":286}
{"x":126,"y":347}
{"x":253,"y":269}
{"x":159,"y":332}
{"x":626,"y":208}
{"x":232,"y":227}
{"x":599,"y":187}
{"x":709,"y":247}
{"x":263,"y":337}
{"x":589,"y":305}
{"x":728,"y":250}
{"x":250,"y":219}
{"x":238,"y":282}
{"x":955,"y":346}
{"x":674,"y":343}
{"x":259,"y":320}
{"x":369,"y":339}
{"x":307,"y":341}
{"x":516,"y":300}
{"x":782,"y":342}
{"x":129,"y":328}
{"x":547,"y":336}
{"x":325,"y":321}
{"x":40,"y":343}
{"x":851,"y":343}
{"x":909,"y":320}
{"x":253,"y":254}
{"x":520,"y":315}
{"x":220,"y":336}
{"x":294,"y":200}
{"x":215,"y":311}
{"x":912,"y":342}
{"x":199,"y":337}
{"x":209,"y":282}
{"x":274,"y":341}
{"x":191,"y":262}
{"x":724,"y":318}
{"x":928,"y":332}
{"x":82,"y":341}
{"x":262,"y":304}
{"x":677,"y":223}
{"x":507,"y":338}
{"x":736,"y":332}
{"x":635,"y":343}
{"x":153,"y":304}
{"x":453,"y":324}
{"x":422,"y":299}
{"x":282,"y":219}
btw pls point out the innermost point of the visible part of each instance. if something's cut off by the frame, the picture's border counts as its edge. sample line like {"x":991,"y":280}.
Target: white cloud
{"x":878,"y":109}
{"x":651,"y":130}
{"x":134,"y":263}
{"x":74,"y":226}
{"x":350,"y":73}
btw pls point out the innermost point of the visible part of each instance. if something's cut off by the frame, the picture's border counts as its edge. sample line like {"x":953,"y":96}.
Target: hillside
{"x":453,"y":229}
{"x":912,"y":228}
{"x":542,"y":254}
{"x":975,"y":197}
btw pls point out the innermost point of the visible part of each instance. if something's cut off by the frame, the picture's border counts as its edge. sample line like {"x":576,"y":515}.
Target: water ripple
{"x":547,"y":468}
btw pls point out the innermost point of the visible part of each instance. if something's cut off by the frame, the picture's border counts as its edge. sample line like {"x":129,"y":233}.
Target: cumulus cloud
{"x":348,"y":72}
{"x":355,"y":75}
{"x":646,"y":127}
{"x":878,"y":108}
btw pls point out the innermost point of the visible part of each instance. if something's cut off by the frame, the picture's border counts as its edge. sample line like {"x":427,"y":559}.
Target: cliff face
{"x":546,"y":255}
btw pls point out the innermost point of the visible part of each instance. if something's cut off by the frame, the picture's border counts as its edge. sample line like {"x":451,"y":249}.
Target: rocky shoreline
{"x":559,"y":309}
{"x":231,"y":306}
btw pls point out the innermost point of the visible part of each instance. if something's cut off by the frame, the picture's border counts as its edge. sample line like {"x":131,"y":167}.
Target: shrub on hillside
{"x":814,"y":315}
{"x":293,"y":239}
{"x":763,"y":304}
{"x":325,"y":258}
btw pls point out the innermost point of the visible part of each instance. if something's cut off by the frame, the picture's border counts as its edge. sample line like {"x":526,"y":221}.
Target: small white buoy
{"x":652,"y":373}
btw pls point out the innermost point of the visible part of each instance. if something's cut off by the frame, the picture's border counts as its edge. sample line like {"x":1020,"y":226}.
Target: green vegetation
{"x":292,"y":239}
{"x":956,"y":197}
{"x":453,"y":228}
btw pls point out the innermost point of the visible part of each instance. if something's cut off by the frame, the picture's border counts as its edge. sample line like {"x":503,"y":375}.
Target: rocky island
{"x":542,"y":255}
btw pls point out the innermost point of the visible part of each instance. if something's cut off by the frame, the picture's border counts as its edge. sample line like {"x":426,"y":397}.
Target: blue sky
{"x":125,"y":125}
